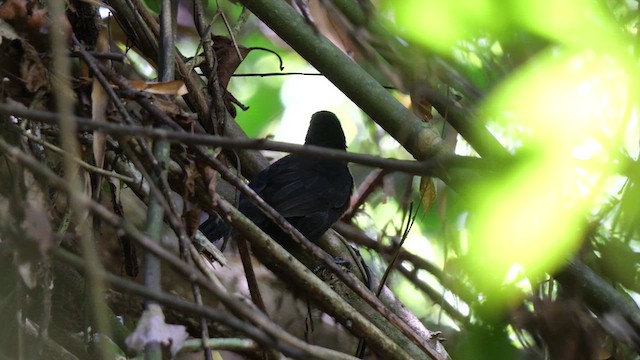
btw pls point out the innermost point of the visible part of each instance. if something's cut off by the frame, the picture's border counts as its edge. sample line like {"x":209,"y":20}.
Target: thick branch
{"x":418,"y":137}
{"x":599,"y":295}
{"x":190,"y":272}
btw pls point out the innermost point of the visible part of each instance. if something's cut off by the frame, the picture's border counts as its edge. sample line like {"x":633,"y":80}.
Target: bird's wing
{"x":294,"y":188}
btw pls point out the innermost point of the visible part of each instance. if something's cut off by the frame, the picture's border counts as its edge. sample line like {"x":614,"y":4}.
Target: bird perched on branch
{"x":310,"y":192}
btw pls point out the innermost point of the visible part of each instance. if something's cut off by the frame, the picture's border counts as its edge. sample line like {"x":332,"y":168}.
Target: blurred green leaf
{"x":154,"y":5}
{"x":441,"y":24}
{"x":260,"y":94}
{"x":558,"y":106}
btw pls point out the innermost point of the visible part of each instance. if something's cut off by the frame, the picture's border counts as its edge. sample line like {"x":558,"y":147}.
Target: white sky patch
{"x":304,"y":95}
{"x":104,"y":12}
{"x":635,"y":296}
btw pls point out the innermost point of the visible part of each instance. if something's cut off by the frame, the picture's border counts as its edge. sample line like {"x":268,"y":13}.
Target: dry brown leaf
{"x":211,"y":179}
{"x":428,"y":192}
{"x":422,"y":107}
{"x":420,"y":103}
{"x":29,"y":21}
{"x":173,"y":88}
{"x":228,"y":58}
{"x":332,"y":27}
{"x":32,"y":71}
{"x":191,"y":173}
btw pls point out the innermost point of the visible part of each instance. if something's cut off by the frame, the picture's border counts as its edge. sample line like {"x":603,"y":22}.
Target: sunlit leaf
{"x":567,"y":108}
{"x":427,"y":192}
{"x":440,"y":24}
{"x":573,"y":22}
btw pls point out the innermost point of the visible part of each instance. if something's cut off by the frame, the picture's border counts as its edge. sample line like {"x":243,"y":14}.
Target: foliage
{"x":509,"y":227}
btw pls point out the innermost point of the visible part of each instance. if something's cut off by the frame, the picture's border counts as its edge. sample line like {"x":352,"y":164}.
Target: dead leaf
{"x":153,"y":329}
{"x":420,"y":104}
{"x":333,"y":28}
{"x":30,"y":22}
{"x":99,"y":103}
{"x":421,"y":107}
{"x":428,"y":192}
{"x":229,"y":56}
{"x":191,"y":173}
{"x":32,"y":71}
{"x":173,"y":88}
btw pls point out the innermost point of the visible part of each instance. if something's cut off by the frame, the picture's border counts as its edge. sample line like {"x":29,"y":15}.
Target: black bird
{"x":311,"y":193}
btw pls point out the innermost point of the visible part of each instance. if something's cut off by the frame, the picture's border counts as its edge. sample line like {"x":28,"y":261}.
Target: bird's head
{"x":325,"y":130}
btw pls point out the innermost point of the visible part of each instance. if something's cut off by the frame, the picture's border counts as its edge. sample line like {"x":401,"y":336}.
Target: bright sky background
{"x":304,"y":95}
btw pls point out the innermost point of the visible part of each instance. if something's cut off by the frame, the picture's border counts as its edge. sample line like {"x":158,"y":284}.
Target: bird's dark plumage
{"x":311,"y":193}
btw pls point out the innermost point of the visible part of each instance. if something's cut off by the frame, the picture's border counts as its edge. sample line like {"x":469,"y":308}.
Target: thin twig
{"x":105,"y":56}
{"x":242,"y":20}
{"x":360,"y":238}
{"x":218,"y":113}
{"x":366,"y":188}
{"x":276,"y":74}
{"x":436,"y":167}
{"x":177,"y":303}
{"x":161,"y":152}
{"x":68,"y":128}
{"x":99,"y":72}
{"x":234,"y":344}
{"x":412,"y":275}
{"x":229,"y":30}
{"x":410,"y":219}
{"x":80,"y":162}
{"x":285,"y":340}
{"x":324,"y":296}
{"x":321,"y":256}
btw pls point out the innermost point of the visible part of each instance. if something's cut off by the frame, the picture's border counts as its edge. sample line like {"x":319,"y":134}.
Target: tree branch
{"x":421,"y":139}
{"x":189,"y":271}
{"x":443,"y":167}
